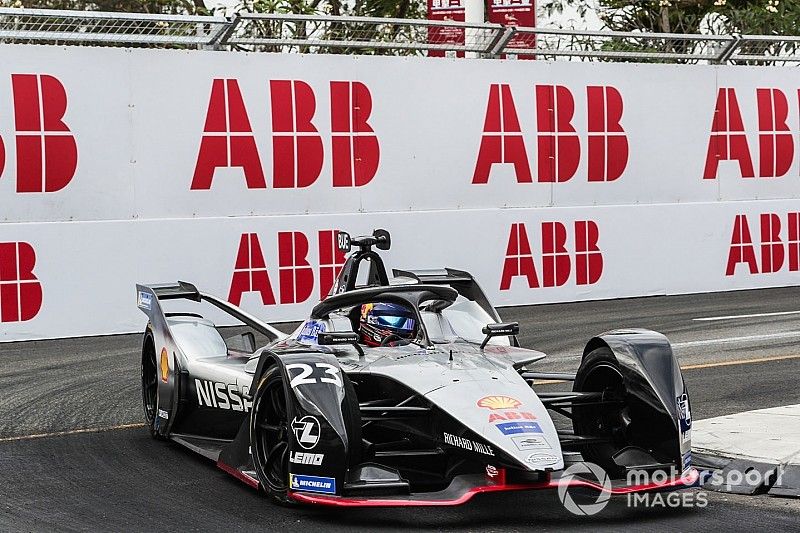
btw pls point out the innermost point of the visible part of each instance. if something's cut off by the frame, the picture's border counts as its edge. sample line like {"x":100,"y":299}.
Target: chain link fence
{"x":45,"y":26}
{"x":384,"y":36}
{"x":357,"y":35}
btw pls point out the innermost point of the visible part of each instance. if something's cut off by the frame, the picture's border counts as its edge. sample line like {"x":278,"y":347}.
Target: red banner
{"x":448,"y":11}
{"x":520,"y":13}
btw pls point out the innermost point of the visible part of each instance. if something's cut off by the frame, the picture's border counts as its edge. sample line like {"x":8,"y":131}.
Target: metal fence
{"x":385,"y":36}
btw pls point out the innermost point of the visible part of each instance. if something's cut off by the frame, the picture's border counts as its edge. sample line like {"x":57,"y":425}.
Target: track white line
{"x":747,"y":338}
{"x":754,"y":315}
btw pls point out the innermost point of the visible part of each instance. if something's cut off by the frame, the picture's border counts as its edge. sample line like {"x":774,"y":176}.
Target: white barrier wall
{"x":548,"y":181}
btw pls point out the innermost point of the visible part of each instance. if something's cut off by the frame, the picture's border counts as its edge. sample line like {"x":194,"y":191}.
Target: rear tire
{"x":149,"y":380}
{"x":600,"y":372}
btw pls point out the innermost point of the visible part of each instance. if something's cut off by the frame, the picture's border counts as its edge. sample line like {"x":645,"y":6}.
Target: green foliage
{"x":759,"y":17}
{"x":129,"y":6}
{"x":359,"y":8}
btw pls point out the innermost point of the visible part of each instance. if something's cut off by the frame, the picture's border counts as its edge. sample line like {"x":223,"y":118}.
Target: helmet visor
{"x":395,"y":322}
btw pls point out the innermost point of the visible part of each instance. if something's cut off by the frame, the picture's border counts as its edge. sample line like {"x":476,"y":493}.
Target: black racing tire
{"x":600,"y":372}
{"x":149,"y":382}
{"x":270,"y":432}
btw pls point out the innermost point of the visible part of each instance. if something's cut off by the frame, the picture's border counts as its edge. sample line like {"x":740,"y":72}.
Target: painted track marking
{"x":70,"y":432}
{"x":741,"y":362}
{"x":753,"y":315}
{"x":747,"y":338}
{"x":701,"y":365}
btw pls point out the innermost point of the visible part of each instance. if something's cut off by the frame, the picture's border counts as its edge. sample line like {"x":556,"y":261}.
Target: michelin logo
{"x":325,"y":485}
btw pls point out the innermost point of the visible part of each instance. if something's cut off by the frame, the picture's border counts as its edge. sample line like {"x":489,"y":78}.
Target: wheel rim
{"x":149,"y":385}
{"x":272,"y":436}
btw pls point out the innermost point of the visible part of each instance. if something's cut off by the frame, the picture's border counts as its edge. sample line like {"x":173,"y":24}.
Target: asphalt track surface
{"x":74,"y":456}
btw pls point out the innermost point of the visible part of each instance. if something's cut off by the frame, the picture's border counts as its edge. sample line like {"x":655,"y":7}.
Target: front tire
{"x":269,"y":435}
{"x":270,"y":431}
{"x":600,"y":372}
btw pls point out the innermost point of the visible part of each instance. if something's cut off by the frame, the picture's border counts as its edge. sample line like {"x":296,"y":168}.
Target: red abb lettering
{"x":20,"y":289}
{"x":331,"y":261}
{"x":519,"y":259}
{"x":296,"y":145}
{"x":728,"y":140}
{"x":502,"y":140}
{"x":608,"y":144}
{"x":511,"y":415}
{"x":250,"y":273}
{"x":47,"y":155}
{"x":559,"y":146}
{"x":741,"y":250}
{"x":775,"y":253}
{"x":771,"y":244}
{"x":776,"y":147}
{"x":556,"y":262}
{"x":227,"y":138}
{"x":356,"y":152}
{"x":296,"y":274}
{"x":588,"y":257}
{"x":794,"y":242}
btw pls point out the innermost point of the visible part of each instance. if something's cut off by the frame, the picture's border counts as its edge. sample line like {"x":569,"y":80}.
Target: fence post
{"x":728,"y":51}
{"x":500,"y":42}
{"x":221,"y":38}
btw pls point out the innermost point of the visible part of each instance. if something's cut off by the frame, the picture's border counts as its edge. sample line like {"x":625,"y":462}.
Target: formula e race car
{"x":406,"y":391}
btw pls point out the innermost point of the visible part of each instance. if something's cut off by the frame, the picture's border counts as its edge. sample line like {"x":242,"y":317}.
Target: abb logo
{"x":297,"y":147}
{"x":46,"y":152}
{"x":556,"y":260}
{"x":295,"y":273}
{"x":728,"y":141}
{"x":20,"y":290}
{"x":558,"y":142}
{"x":775,"y":252}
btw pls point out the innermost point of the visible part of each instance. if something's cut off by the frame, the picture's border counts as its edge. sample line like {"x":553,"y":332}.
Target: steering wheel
{"x":391,"y":337}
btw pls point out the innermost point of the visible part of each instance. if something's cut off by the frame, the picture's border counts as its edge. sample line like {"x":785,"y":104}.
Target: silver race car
{"x":406,"y":391}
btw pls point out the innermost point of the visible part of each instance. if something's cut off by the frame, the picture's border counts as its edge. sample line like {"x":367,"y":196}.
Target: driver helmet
{"x":382,"y":320}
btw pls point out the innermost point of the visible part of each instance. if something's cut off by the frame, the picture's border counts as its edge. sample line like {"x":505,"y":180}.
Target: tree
{"x":339,"y":31}
{"x":126,"y":6}
{"x":760,"y":17}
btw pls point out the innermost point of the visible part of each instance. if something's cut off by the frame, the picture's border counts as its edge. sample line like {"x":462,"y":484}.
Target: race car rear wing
{"x":187,"y":291}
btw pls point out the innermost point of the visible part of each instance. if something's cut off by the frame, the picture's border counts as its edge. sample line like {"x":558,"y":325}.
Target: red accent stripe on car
{"x":238,"y":474}
{"x":338,"y":501}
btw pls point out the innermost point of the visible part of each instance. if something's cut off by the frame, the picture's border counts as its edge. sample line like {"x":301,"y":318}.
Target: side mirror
{"x":345,"y":337}
{"x":384,"y":240}
{"x":499,"y":330}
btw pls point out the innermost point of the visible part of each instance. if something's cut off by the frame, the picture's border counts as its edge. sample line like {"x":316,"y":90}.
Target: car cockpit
{"x":420,"y":307}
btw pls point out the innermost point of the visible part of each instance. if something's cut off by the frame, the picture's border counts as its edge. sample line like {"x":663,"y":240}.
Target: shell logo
{"x":499,"y":402}
{"x":164,"y":365}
